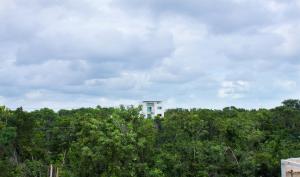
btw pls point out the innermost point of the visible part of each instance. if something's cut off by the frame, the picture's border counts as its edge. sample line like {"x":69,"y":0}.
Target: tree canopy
{"x":119,"y":142}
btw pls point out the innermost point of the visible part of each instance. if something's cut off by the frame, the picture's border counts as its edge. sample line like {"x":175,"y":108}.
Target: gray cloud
{"x":219,"y":15}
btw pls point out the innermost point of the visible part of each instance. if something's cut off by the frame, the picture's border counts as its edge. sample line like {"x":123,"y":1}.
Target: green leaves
{"x":119,"y":142}
{"x":7,"y":135}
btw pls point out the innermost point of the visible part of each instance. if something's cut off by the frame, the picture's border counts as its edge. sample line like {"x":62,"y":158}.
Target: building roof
{"x":158,"y":101}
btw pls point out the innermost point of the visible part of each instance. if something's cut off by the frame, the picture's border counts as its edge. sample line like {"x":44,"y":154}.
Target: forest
{"x":120,"y":142}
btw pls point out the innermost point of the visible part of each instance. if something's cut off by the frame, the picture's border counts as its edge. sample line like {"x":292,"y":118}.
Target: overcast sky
{"x":189,"y":53}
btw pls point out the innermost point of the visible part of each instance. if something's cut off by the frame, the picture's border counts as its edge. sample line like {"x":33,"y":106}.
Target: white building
{"x":152,"y":109}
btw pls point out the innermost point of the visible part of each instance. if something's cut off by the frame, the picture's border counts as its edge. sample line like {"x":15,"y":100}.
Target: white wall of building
{"x":152,"y":109}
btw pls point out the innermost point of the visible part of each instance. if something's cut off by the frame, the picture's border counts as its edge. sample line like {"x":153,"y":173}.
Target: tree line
{"x":120,"y":142}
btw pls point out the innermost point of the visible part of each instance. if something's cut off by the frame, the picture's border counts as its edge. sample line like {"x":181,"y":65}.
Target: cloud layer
{"x":66,"y":54}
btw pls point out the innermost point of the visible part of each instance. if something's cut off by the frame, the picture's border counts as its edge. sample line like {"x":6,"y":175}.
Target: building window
{"x":148,"y":115}
{"x":150,"y":104}
{"x":149,"y":109}
{"x":159,"y":107}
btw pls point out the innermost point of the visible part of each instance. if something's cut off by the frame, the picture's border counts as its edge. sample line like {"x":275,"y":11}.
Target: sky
{"x":188,"y":53}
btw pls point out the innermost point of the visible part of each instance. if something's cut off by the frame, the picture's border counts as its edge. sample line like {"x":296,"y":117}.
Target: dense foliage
{"x":119,"y":142}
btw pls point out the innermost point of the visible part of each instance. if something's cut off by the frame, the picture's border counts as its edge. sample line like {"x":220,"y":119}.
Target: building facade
{"x":152,"y":109}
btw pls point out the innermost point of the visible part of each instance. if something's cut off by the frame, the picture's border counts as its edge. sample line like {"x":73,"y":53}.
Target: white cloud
{"x":126,"y":81}
{"x":233,"y":89}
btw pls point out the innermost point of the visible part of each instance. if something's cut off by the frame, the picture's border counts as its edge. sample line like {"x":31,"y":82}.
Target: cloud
{"x":287,"y":85}
{"x":221,"y":16}
{"x":189,"y":53}
{"x":233,"y":89}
